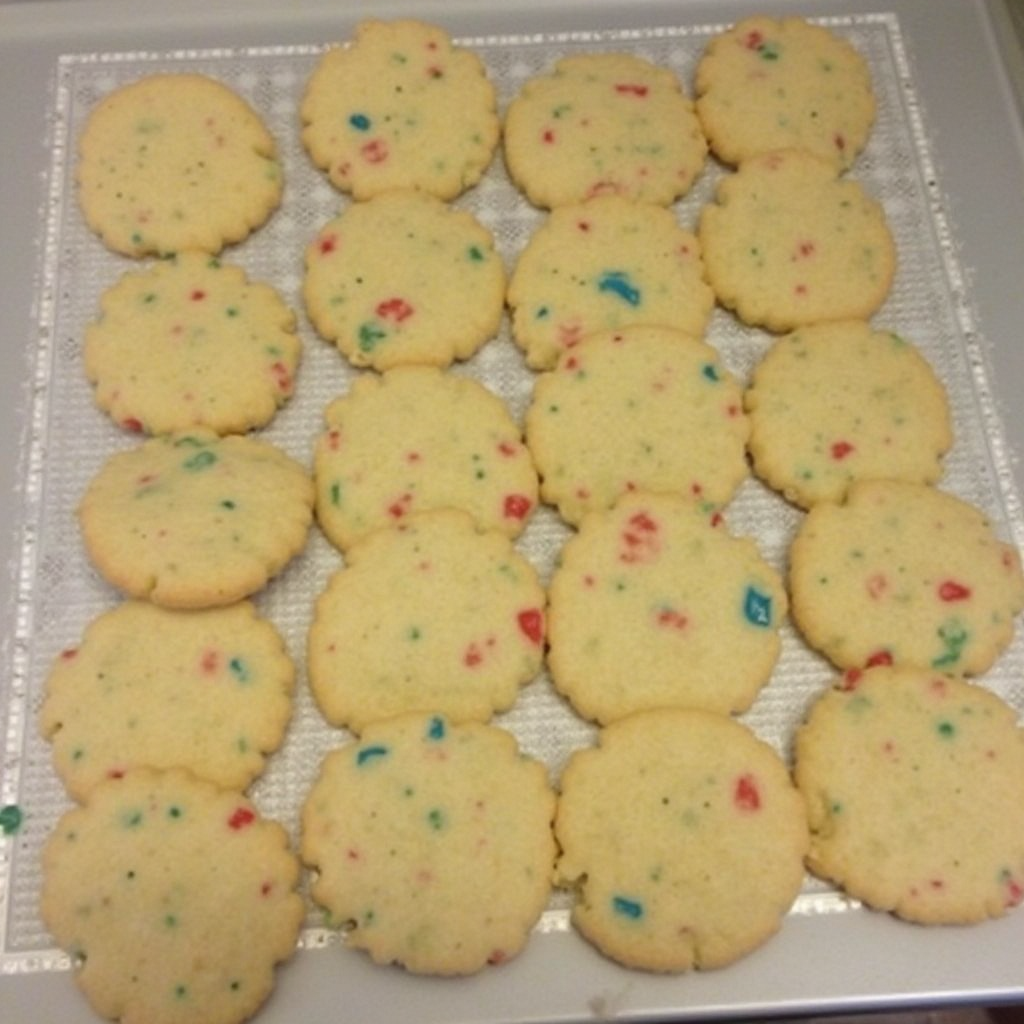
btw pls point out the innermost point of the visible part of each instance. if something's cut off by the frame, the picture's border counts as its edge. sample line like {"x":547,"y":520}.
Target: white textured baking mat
{"x":55,"y":592}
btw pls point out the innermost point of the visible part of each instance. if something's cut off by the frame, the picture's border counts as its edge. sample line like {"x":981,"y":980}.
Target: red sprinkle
{"x":851,"y":679}
{"x":198,"y":295}
{"x":531,"y":622}
{"x":630,"y":89}
{"x":746,"y":796}
{"x":282,"y":376}
{"x":395,"y":309}
{"x":240,"y":818}
{"x":375,"y":151}
{"x":670,"y":617}
{"x":841,"y":449}
{"x":132,"y":424}
{"x":70,"y":654}
{"x":328,"y":244}
{"x":950,"y":590}
{"x":472,"y":656}
{"x":209,"y":661}
{"x":517,"y":506}
{"x":879,"y":658}
{"x":753,"y":40}
{"x":548,"y":136}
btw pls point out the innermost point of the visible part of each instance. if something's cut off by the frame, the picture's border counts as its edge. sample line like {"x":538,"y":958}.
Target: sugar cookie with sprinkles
{"x":431,"y":843}
{"x":645,"y":408}
{"x":603,"y":124}
{"x":768,"y":84}
{"x":914,"y":783}
{"x":653,"y":604}
{"x":414,"y":439}
{"x":431,"y":614}
{"x":833,"y":403}
{"x":210,"y":691}
{"x":603,"y":265}
{"x":440,"y":300}
{"x":173,"y":162}
{"x":193,"y":520}
{"x":191,"y":342}
{"x":904,"y":574}
{"x":174,"y":898}
{"x":683,"y":838}
{"x":400,"y":106}
{"x":787,"y":243}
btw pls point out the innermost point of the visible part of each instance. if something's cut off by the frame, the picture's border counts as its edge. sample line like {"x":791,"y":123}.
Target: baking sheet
{"x":56,"y":592}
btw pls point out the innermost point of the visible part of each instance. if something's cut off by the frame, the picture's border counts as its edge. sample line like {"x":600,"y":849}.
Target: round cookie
{"x":194,"y":520}
{"x":404,"y":278}
{"x":654,"y":606}
{"x":431,"y":843}
{"x":603,"y":265}
{"x":914,"y":783}
{"x":191,"y":342}
{"x":683,"y":837}
{"x":209,"y":691}
{"x":173,"y":162}
{"x":400,"y":107}
{"x":600,"y":124}
{"x":768,"y":84}
{"x":834,"y":403}
{"x":415,"y":439}
{"x":431,"y":614}
{"x":645,"y":408}
{"x":174,"y":898}
{"x":904,"y":574}
{"x":787,"y":243}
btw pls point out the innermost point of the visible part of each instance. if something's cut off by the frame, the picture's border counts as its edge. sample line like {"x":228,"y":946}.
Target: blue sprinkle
{"x":436,"y":729}
{"x":757,"y":608}
{"x":360,"y":122}
{"x":628,"y":908}
{"x":370,"y":753}
{"x":617,"y":282}
{"x":711,"y":372}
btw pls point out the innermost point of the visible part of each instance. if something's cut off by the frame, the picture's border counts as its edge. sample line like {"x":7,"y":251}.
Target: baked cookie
{"x":400,"y":106}
{"x":834,"y":403}
{"x":431,"y":843}
{"x":191,"y":342}
{"x":654,"y":606}
{"x":904,"y":574}
{"x":600,"y":124}
{"x":404,"y":278}
{"x":431,"y":614}
{"x":414,"y":439}
{"x":174,"y":898}
{"x":603,"y":265}
{"x":645,"y":408}
{"x":193,"y":520}
{"x":173,"y":162}
{"x":914,"y":783}
{"x":210,"y":691}
{"x":683,"y":838}
{"x":768,"y":84}
{"x":787,"y":243}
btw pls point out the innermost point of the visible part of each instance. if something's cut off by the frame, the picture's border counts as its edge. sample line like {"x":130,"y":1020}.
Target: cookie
{"x":914,"y":783}
{"x":431,"y":843}
{"x":191,"y":342}
{"x":904,"y":574}
{"x":400,"y":106}
{"x":404,"y":278}
{"x":174,"y":898}
{"x":603,"y":265}
{"x":652,"y":606}
{"x":834,"y":403}
{"x":683,"y":838}
{"x":767,"y":84}
{"x":193,"y":520}
{"x":174,"y":162}
{"x":787,"y":243}
{"x":431,"y":614}
{"x":645,"y":408}
{"x":415,"y":439}
{"x":603,"y":124}
{"x":210,"y":691}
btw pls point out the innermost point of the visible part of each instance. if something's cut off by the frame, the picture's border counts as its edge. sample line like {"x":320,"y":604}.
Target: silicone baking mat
{"x":56,"y":593}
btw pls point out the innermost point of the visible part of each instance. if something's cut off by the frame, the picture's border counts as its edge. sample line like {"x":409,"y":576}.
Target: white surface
{"x":821,"y":960}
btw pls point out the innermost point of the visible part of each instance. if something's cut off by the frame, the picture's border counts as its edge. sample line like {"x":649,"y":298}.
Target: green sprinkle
{"x":170,"y":921}
{"x":228,"y":504}
{"x":199,"y":461}
{"x":232,"y":311}
{"x":174,"y":811}
{"x":149,"y":298}
{"x":131,"y":819}
{"x":369,"y":335}
{"x":336,"y":494}
{"x":946,"y":729}
{"x":180,"y":991}
{"x":10,"y":819}
{"x":239,"y":669}
{"x":414,"y":633}
{"x":436,"y":819}
{"x":475,"y":253}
